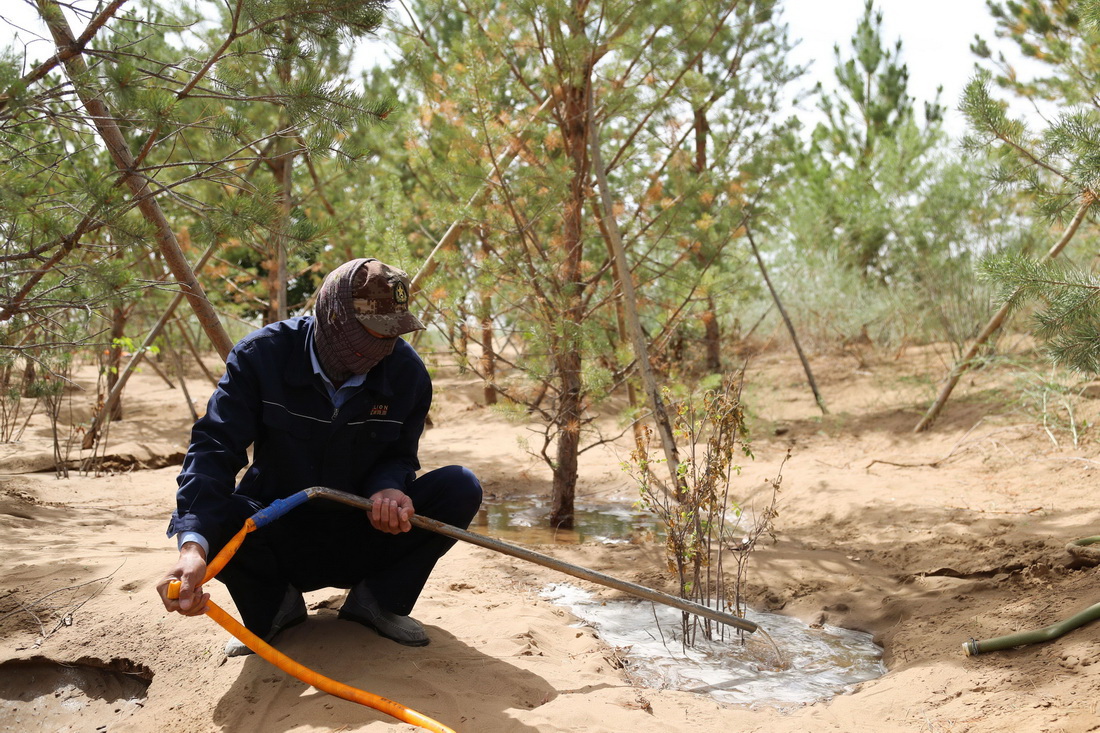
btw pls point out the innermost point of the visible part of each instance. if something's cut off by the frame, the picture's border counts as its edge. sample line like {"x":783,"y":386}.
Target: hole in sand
{"x":42,"y":694}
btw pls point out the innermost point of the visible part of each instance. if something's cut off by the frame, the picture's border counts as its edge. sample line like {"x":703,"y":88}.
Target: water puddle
{"x":524,"y":520}
{"x":815,"y":664}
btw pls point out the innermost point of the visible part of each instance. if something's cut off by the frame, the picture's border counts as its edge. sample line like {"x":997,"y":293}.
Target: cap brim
{"x":392,"y":324}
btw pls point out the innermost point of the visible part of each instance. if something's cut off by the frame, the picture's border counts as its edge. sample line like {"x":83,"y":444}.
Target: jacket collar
{"x":299,"y":370}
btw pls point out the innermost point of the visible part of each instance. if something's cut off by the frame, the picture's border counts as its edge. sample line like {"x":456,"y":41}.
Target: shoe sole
{"x":345,"y":615}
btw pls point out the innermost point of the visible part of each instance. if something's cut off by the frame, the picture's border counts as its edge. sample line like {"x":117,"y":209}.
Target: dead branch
{"x":630,"y":305}
{"x":938,"y":462}
{"x":790,"y":326}
{"x":29,"y":608}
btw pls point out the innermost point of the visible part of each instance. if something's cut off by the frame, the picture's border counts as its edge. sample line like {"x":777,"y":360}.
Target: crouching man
{"x":337,"y":400}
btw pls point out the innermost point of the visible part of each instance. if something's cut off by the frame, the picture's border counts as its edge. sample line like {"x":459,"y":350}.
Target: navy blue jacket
{"x":271,"y":399}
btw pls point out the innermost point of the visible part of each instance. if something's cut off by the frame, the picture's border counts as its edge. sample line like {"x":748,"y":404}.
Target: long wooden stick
{"x":522,"y":553}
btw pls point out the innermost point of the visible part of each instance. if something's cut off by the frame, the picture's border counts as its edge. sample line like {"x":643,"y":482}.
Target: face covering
{"x":342,"y":343}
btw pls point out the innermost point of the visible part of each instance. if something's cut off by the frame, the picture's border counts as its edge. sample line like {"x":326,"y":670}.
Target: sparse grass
{"x":1053,"y":397}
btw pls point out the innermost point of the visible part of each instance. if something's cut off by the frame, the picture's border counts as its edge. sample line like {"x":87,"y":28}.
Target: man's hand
{"x":190,"y":570}
{"x":391,"y":511}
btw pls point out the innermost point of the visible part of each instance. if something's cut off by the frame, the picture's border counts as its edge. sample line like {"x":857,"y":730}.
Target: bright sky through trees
{"x":935,"y":34}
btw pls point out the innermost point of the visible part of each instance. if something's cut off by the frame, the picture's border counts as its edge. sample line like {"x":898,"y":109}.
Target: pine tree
{"x":881,"y":219}
{"x":873,"y":188}
{"x":175,"y":97}
{"x":135,"y":136}
{"x":502,"y":144}
{"x":1057,"y":167}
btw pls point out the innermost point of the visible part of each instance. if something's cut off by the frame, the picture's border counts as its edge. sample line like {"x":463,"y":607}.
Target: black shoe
{"x":292,"y":611}
{"x":362,"y":607}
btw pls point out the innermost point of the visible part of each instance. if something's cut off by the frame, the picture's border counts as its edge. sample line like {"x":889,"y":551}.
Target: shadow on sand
{"x":447,"y":680}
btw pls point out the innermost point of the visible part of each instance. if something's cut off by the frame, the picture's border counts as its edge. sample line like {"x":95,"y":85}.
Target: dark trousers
{"x":322,"y":544}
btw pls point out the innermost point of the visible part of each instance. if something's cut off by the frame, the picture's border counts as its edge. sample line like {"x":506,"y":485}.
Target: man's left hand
{"x":391,"y":511}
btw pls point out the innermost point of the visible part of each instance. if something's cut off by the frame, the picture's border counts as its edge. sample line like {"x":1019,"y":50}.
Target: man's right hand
{"x":189,"y":571}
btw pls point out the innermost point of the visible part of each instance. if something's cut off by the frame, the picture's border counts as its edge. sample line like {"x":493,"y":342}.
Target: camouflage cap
{"x":380,"y":299}
{"x":359,"y":295}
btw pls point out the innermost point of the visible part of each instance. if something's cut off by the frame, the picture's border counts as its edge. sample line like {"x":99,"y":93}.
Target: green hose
{"x":974,"y":647}
{"x":1080,"y":550}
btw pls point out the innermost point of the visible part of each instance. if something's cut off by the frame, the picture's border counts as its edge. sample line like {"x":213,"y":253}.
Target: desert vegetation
{"x":610,"y":209}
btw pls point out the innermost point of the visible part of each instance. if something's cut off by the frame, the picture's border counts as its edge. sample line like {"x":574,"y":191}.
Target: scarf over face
{"x":358,"y":295}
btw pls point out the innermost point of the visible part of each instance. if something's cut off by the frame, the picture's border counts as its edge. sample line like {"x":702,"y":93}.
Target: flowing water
{"x":812,"y":663}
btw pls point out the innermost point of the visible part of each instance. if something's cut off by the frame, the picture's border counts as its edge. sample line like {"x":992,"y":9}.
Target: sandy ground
{"x":965,"y":538}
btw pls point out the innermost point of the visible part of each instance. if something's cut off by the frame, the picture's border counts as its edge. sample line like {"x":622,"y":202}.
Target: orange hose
{"x":215,"y":566}
{"x":288,"y":665}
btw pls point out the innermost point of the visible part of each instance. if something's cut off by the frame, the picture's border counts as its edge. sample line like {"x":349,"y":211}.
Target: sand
{"x":923,"y":541}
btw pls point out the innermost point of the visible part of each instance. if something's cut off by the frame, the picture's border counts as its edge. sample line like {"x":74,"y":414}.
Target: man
{"x":336,"y":400}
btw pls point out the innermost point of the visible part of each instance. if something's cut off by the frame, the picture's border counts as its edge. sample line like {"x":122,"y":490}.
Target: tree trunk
{"x":463,"y":347}
{"x":277,"y":293}
{"x":277,"y":309}
{"x":284,"y":236}
{"x":488,"y":355}
{"x":712,"y":337}
{"x":123,"y":158}
{"x":114,"y":356}
{"x":702,"y":129}
{"x":568,"y":446}
{"x":29,"y":378}
{"x":567,"y":347}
